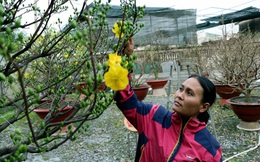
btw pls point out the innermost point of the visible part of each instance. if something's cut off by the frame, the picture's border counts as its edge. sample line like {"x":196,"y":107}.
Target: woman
{"x":180,"y":135}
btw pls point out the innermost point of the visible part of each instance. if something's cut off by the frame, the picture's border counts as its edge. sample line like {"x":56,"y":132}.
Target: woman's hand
{"x":129,"y":49}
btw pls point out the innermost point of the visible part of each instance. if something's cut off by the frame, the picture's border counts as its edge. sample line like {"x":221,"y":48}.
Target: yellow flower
{"x":114,"y":59}
{"x":66,"y":55}
{"x":41,"y":63}
{"x":29,"y":76}
{"x":26,"y":75}
{"x":116,"y":78}
{"x":117,"y":29}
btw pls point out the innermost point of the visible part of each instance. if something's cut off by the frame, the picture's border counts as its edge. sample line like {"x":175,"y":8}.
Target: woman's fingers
{"x":129,"y":49}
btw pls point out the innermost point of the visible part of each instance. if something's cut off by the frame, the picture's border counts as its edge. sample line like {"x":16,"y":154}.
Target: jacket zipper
{"x":178,"y":144}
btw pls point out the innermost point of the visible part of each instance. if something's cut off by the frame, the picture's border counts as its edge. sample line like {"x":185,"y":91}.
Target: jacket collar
{"x":192,"y":124}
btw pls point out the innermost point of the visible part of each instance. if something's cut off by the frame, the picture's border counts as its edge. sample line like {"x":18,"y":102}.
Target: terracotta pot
{"x":102,"y":87}
{"x":43,"y":111}
{"x":83,"y":85}
{"x":67,"y":111}
{"x":249,"y":113}
{"x":157,"y":83}
{"x":158,"y":86}
{"x":44,"y":100}
{"x":141,"y":92}
{"x":129,"y":126}
{"x":226,"y":92}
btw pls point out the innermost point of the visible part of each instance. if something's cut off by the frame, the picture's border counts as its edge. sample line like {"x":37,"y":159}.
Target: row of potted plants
{"x":234,"y":64}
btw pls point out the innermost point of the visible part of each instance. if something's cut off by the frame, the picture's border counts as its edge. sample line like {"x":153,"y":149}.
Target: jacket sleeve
{"x":218,"y":156}
{"x":134,"y":110}
{"x":137,"y":113}
{"x":208,"y":143}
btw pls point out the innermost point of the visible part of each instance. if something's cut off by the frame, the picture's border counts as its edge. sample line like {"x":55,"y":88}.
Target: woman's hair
{"x":209,"y":95}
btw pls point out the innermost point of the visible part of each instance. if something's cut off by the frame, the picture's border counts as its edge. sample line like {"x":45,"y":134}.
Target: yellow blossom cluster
{"x":118,"y":29}
{"x":29,"y":76}
{"x":116,"y":77}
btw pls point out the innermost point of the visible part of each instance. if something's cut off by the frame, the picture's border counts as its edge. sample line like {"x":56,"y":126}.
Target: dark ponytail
{"x":209,"y":95}
{"x":203,"y":117}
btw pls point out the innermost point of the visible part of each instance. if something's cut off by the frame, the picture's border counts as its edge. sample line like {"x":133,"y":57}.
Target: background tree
{"x":236,"y":62}
{"x":232,"y":61}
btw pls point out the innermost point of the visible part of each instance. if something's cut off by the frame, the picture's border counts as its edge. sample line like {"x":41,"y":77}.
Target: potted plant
{"x":226,"y":91}
{"x":211,"y":60}
{"x":225,"y":81}
{"x":139,"y":79}
{"x":83,"y":85}
{"x":237,"y":62}
{"x":153,"y":67}
{"x":223,"y":62}
{"x":59,"y":112}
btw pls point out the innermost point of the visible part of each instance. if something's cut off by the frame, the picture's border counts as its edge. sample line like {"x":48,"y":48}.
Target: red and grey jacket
{"x":164,"y":135}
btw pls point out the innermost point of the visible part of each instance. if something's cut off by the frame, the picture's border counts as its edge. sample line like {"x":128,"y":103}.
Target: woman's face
{"x":187,"y":100}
